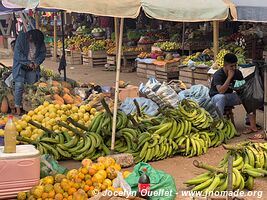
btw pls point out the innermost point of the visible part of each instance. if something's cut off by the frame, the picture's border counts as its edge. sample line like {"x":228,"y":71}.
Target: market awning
{"x":4,"y":10}
{"x":186,"y":10}
{"x":111,"y":8}
{"x":20,"y":3}
{"x":196,"y":10}
{"x":248,"y":10}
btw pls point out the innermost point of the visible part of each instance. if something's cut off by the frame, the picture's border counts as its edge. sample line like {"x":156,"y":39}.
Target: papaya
{"x":4,"y":105}
{"x":68,"y":99}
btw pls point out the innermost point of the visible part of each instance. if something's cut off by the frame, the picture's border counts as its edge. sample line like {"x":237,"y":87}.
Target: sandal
{"x":258,"y":136}
{"x":248,"y":131}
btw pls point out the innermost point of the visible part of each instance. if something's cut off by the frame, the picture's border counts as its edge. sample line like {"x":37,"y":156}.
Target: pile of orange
{"x":78,"y":184}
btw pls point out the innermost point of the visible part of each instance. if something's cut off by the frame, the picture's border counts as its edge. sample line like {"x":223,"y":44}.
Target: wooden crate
{"x":168,"y":67}
{"x":166,"y":76}
{"x":111,"y":60}
{"x":73,"y":57}
{"x":94,"y":62}
{"x":193,"y":77}
{"x":145,"y":47}
{"x":97,"y":54}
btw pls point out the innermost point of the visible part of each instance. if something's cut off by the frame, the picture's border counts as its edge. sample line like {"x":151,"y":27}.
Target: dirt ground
{"x":179,"y":167}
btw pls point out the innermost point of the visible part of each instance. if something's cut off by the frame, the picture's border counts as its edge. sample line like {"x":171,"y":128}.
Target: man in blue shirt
{"x":29,"y":54}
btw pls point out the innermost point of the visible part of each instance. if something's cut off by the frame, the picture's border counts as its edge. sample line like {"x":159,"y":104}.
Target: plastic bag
{"x":119,"y":182}
{"x":50,"y":167}
{"x":252,"y":93}
{"x":161,"y":184}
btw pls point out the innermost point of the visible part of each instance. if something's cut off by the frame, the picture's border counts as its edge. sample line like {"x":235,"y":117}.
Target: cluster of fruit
{"x":112,"y":51}
{"x":249,"y":162}
{"x":48,"y":73}
{"x":48,"y":114}
{"x":186,"y":131}
{"x":80,"y":184}
{"x":76,"y":42}
{"x":168,"y":46}
{"x":220,"y":57}
{"x":98,"y":30}
{"x":143,"y":55}
{"x":199,"y":59}
{"x":98,"y":45}
{"x":51,"y":91}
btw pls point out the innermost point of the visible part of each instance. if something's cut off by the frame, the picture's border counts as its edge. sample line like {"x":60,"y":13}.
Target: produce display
{"x":48,"y":114}
{"x":112,"y":51}
{"x":249,"y":162}
{"x":80,"y":184}
{"x":168,"y":46}
{"x":98,"y":45}
{"x":52,"y":91}
{"x":199,"y":58}
{"x":187,"y":130}
{"x":77,"y":42}
{"x":98,"y":30}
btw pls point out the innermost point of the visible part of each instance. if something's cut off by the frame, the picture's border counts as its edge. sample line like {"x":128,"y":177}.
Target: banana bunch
{"x":190,"y":110}
{"x":194,"y":144}
{"x":103,"y":123}
{"x":220,"y":57}
{"x":227,"y":127}
{"x":153,"y":147}
{"x":249,"y":162}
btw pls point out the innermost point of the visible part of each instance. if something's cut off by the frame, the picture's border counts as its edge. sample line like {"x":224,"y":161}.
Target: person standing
{"x":29,"y":54}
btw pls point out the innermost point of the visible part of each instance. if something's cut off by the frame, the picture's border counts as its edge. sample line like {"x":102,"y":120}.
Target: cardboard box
{"x":130,"y":91}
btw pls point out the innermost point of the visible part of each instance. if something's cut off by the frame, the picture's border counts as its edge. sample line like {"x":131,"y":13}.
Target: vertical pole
{"x":116,"y":24}
{"x":230,"y":176}
{"x":63,"y":45}
{"x":55,"y":37}
{"x":215,"y":38}
{"x":117,"y":86}
{"x":183,"y":38}
{"x":37,"y":20}
{"x":265,"y":101}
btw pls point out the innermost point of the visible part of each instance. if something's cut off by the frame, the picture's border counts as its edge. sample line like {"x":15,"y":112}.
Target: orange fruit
{"x":107,"y":182}
{"x":70,"y":197}
{"x":92,"y":171}
{"x":89,"y":182}
{"x":81,"y":176}
{"x":87,"y":177}
{"x":59,"y":196}
{"x":76,"y":186}
{"x":103,"y":173}
{"x":44,"y":195}
{"x":84,"y":170}
{"x":86,"y":188}
{"x":65,"y":194}
{"x":51,"y":194}
{"x":71,"y":191}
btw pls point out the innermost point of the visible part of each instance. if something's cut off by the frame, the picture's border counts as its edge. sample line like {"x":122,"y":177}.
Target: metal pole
{"x":118,"y":68}
{"x":63,"y":44}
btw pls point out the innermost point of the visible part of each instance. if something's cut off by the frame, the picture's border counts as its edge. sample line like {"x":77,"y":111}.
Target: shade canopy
{"x":196,"y":10}
{"x":111,"y":8}
{"x":4,"y":10}
{"x":186,"y":10}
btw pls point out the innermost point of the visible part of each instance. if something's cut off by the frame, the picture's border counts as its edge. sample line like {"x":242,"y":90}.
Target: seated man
{"x":220,"y":92}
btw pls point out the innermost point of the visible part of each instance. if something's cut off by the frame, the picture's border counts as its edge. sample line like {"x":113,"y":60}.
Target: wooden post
{"x":265,"y":101}
{"x":183,"y":38}
{"x":118,"y":68}
{"x":230,"y":176}
{"x":215,"y":38}
{"x":55,"y":38}
{"x":116,"y":24}
{"x":36,"y":20}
